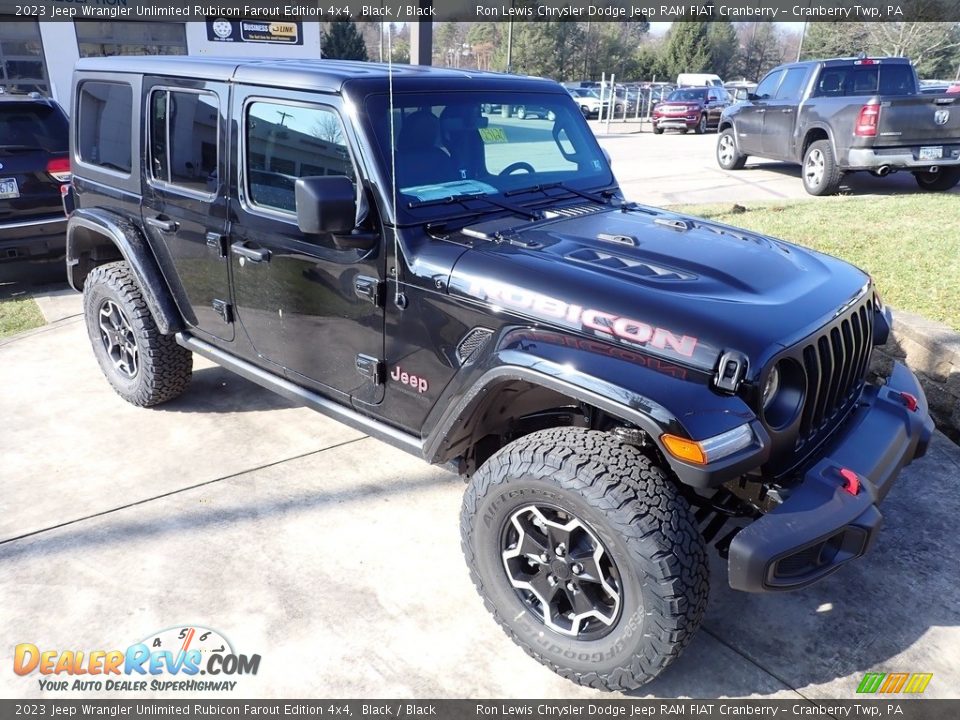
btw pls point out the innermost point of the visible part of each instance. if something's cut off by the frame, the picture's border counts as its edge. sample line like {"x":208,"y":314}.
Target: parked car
{"x":521,"y":111}
{"x":846,"y":115}
{"x":34,"y":164}
{"x":613,"y":382}
{"x":693,"y":108}
{"x":587,"y":100}
{"x":740,"y":90}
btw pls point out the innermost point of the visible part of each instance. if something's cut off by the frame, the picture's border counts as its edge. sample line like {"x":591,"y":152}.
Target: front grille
{"x":835,"y":362}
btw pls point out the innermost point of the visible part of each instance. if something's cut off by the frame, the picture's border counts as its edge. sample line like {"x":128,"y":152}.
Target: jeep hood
{"x":675,"y":286}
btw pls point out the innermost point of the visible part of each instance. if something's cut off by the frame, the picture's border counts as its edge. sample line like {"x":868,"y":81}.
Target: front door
{"x":184,"y":199}
{"x":750,"y":118}
{"x":306,"y":306}
{"x":780,"y":121}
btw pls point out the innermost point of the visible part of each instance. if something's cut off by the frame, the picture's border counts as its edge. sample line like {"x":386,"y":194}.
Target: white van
{"x":699,"y":80}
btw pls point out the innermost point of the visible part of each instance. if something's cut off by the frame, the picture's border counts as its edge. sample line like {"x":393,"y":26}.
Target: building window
{"x":104,"y":125}
{"x":22,"y":69}
{"x":183,"y":139}
{"x":104,"y":39}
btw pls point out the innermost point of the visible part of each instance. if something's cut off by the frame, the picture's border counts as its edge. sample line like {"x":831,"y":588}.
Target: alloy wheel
{"x":561,"y":571}
{"x":118,"y":339}
{"x":813,"y":168}
{"x":726,"y":150}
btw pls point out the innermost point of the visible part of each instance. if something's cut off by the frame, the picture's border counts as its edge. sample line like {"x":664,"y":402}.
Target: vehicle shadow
{"x":216,"y":390}
{"x":858,"y":183}
{"x":875,"y":613}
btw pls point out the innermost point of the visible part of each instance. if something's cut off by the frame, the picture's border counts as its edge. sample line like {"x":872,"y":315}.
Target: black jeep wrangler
{"x":621,"y":385}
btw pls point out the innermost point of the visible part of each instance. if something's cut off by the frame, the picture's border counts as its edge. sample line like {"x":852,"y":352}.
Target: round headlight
{"x":783,"y":393}
{"x":771,"y":387}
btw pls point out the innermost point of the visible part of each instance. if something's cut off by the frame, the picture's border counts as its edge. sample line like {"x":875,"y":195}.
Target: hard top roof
{"x":312,"y":74}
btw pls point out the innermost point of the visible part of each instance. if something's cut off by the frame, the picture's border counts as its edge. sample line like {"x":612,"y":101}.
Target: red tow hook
{"x":909,"y":400}
{"x":851,"y":481}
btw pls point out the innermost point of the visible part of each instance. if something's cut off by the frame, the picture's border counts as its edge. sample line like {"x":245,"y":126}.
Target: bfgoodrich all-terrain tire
{"x":587,"y":556}
{"x":144,"y":367}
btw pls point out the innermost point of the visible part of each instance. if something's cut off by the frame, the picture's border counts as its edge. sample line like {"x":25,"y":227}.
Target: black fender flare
{"x":576,"y":374}
{"x":90,"y":229}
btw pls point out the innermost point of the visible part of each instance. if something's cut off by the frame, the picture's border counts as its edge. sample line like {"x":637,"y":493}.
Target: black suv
{"x":619,"y":385}
{"x":34,"y":164}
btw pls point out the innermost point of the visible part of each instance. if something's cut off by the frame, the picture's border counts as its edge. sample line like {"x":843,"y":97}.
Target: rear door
{"x":749,"y":118}
{"x":33,"y":162}
{"x":184,"y":197}
{"x":780,"y":119}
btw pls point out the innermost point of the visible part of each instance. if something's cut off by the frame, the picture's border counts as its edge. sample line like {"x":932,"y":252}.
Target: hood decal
{"x":584,"y":319}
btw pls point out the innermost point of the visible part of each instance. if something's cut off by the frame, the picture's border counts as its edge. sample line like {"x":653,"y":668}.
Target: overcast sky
{"x":658,"y":28}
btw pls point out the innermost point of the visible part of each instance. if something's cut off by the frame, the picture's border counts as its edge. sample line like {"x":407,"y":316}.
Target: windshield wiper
{"x":463,"y":198}
{"x":550,"y":186}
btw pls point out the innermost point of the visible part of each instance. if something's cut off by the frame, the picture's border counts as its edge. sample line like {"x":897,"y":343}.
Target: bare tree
{"x":927,"y":44}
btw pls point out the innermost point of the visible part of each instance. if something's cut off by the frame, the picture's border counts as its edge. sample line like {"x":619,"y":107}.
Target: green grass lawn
{"x":17,"y":315}
{"x":909,"y":243}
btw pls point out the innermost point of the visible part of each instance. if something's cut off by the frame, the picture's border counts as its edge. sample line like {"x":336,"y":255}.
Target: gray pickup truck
{"x":846,"y":115}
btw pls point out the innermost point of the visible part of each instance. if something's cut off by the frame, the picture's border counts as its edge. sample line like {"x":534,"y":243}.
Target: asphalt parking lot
{"x":336,"y":558}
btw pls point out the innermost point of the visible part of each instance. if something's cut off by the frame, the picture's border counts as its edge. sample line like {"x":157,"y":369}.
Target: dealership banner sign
{"x":276,"y":22}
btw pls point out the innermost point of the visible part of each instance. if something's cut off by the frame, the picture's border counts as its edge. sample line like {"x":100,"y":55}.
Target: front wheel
{"x":144,"y":367}
{"x":521,"y":112}
{"x":820,"y":174}
{"x":945,"y":179}
{"x":728,"y":156}
{"x":587,"y":556}
{"x":701,"y":128}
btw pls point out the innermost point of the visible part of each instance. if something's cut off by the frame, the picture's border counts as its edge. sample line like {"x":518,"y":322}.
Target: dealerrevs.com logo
{"x":179,"y":659}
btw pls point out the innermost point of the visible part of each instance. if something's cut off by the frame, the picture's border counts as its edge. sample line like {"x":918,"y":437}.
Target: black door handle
{"x":251,"y":254}
{"x":163,"y":224}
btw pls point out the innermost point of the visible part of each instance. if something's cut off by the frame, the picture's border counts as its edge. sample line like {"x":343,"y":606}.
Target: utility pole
{"x":510,"y":45}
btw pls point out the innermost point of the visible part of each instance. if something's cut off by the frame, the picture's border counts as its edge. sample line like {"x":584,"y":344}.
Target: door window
{"x":184,"y":139}
{"x":104,"y":125}
{"x":768,"y":86}
{"x":792,"y":85}
{"x":284,"y":142}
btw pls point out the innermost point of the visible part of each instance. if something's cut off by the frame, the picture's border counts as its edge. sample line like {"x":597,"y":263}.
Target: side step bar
{"x":282,"y":386}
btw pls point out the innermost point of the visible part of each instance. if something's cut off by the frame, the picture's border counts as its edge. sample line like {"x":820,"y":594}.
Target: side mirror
{"x":326,"y":204}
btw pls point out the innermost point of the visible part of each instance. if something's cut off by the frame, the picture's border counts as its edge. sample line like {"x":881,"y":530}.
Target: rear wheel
{"x":728,"y":157}
{"x":657,"y":130}
{"x":586,"y":555}
{"x":820,"y":174}
{"x":143,"y":366}
{"x":945,"y":179}
{"x":521,"y":112}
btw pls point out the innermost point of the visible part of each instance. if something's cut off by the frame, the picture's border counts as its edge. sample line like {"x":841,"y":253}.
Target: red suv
{"x":691,"y":108}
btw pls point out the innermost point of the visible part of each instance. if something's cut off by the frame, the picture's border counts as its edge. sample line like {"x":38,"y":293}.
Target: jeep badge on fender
{"x":455,"y":282}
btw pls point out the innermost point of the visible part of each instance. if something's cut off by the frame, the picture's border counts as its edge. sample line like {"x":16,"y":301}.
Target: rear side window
{"x":286,"y":142}
{"x":105,"y":112}
{"x":183,"y":139}
{"x":33,"y":125}
{"x":792,"y":84}
{"x":852,"y":80}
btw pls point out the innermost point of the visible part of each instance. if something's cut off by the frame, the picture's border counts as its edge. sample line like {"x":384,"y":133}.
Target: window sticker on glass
{"x":424,"y":193}
{"x":493,"y":135}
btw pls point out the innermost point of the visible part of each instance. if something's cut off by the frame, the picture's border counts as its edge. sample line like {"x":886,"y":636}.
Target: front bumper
{"x":33,"y":239}
{"x":907,"y":158}
{"x":676,"y":122}
{"x":821,"y":525}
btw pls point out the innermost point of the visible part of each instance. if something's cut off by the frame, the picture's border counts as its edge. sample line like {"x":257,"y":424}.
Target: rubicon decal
{"x":178,"y":652}
{"x":627,"y":329}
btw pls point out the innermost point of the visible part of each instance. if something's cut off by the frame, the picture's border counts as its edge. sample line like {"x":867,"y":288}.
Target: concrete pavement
{"x":337,"y":559}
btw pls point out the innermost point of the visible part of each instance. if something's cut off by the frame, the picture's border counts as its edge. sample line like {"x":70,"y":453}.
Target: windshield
{"x":694,"y":95}
{"x":483,"y":144}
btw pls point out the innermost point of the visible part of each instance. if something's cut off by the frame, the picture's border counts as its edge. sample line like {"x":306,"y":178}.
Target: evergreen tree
{"x":343,"y":41}
{"x":724,"y":45}
{"x":688,"y":49}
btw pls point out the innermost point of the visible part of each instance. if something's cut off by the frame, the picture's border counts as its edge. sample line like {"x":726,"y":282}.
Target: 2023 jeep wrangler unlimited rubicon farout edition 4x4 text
{"x":620,"y":385}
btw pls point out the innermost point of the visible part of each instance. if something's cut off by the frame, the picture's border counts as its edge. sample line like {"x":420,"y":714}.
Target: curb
{"x":932,"y":351}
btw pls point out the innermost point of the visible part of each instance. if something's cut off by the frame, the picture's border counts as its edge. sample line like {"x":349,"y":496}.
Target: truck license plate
{"x":8,"y":188}
{"x":931,"y":153}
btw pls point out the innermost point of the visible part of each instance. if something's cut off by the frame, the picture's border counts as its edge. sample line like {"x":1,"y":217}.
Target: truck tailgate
{"x":918,"y":120}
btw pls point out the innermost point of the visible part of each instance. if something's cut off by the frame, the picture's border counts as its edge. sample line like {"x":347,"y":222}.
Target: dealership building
{"x":39,"y":56}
